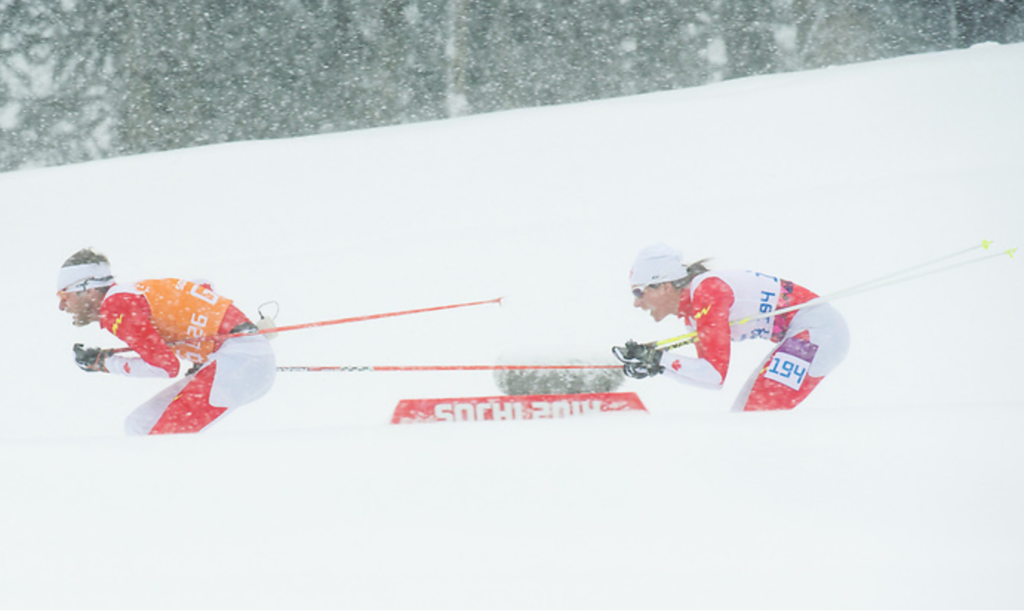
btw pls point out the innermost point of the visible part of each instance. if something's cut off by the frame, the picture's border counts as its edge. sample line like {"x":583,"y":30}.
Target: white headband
{"x":77,"y":278}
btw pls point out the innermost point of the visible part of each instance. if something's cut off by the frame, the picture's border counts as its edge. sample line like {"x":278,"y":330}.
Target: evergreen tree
{"x":57,"y":83}
{"x":87,"y":79}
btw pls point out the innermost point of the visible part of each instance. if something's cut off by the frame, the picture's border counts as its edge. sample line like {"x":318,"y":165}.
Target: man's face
{"x":83,"y":306}
{"x":659,"y":300}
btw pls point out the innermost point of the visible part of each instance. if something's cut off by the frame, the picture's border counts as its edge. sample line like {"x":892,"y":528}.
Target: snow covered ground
{"x":898,"y":484}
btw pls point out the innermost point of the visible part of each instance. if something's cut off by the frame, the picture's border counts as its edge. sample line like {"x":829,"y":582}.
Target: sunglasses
{"x":639,"y":291}
{"x":88,"y":283}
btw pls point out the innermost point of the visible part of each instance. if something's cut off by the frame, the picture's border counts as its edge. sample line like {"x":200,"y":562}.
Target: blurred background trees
{"x":89,"y":79}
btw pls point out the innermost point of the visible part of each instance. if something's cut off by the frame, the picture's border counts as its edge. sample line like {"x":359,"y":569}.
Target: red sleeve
{"x":128,"y":317}
{"x":711,"y":303}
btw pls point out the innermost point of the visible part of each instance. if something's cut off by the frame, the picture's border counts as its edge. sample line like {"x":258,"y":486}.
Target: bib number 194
{"x":791,"y":362}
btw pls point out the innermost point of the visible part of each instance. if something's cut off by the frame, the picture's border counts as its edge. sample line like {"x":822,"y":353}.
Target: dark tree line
{"x":88,"y":79}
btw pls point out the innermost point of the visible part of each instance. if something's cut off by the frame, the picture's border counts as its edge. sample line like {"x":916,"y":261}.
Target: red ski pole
{"x":324,"y":323}
{"x":339,"y":321}
{"x":363,"y":368}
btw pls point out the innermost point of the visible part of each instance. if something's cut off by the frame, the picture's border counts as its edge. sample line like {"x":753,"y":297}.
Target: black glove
{"x":639,"y":371}
{"x":639,"y":360}
{"x":91,"y":359}
{"x":630,"y":353}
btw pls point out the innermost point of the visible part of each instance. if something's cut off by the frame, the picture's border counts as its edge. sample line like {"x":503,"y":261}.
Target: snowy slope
{"x":896,"y":485}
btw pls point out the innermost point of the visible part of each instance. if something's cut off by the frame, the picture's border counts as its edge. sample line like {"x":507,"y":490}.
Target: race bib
{"x":185,"y":314}
{"x":791,"y":362}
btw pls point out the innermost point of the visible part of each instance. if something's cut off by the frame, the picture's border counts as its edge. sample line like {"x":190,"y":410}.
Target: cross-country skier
{"x":163,"y":320}
{"x":810,"y":341}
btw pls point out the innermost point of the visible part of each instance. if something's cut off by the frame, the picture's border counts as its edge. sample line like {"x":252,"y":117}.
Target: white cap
{"x":658,"y":263}
{"x":75,"y":278}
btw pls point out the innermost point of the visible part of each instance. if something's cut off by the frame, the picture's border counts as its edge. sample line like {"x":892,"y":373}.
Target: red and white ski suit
{"x":167,"y":319}
{"x":811,"y":341}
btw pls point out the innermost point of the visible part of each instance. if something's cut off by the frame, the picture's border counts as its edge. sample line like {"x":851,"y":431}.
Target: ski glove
{"x":91,"y":359}
{"x":639,"y":361}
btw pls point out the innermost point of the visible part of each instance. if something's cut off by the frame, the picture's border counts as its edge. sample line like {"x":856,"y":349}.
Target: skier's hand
{"x":632,"y":352}
{"x":91,"y":359}
{"x":639,"y":371}
{"x":639,"y":360}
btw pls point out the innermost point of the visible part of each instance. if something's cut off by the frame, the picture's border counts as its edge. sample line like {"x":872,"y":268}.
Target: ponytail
{"x":692,"y":271}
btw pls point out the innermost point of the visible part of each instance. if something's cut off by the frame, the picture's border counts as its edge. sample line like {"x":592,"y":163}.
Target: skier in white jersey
{"x":810,"y":341}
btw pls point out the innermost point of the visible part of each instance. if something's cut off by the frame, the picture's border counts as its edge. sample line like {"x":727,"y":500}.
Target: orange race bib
{"x":185,"y":314}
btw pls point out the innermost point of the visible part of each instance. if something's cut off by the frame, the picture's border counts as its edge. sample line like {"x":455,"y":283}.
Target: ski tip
{"x":1011,"y":252}
{"x":986,"y":243}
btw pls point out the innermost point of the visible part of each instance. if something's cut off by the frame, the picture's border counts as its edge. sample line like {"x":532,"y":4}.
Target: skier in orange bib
{"x":164,"y":321}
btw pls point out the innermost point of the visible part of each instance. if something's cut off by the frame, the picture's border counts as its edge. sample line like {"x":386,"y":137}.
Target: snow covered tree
{"x":58,"y":88}
{"x":86,"y":79}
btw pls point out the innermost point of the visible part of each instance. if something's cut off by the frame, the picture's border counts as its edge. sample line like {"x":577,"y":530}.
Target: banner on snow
{"x":527,"y":407}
